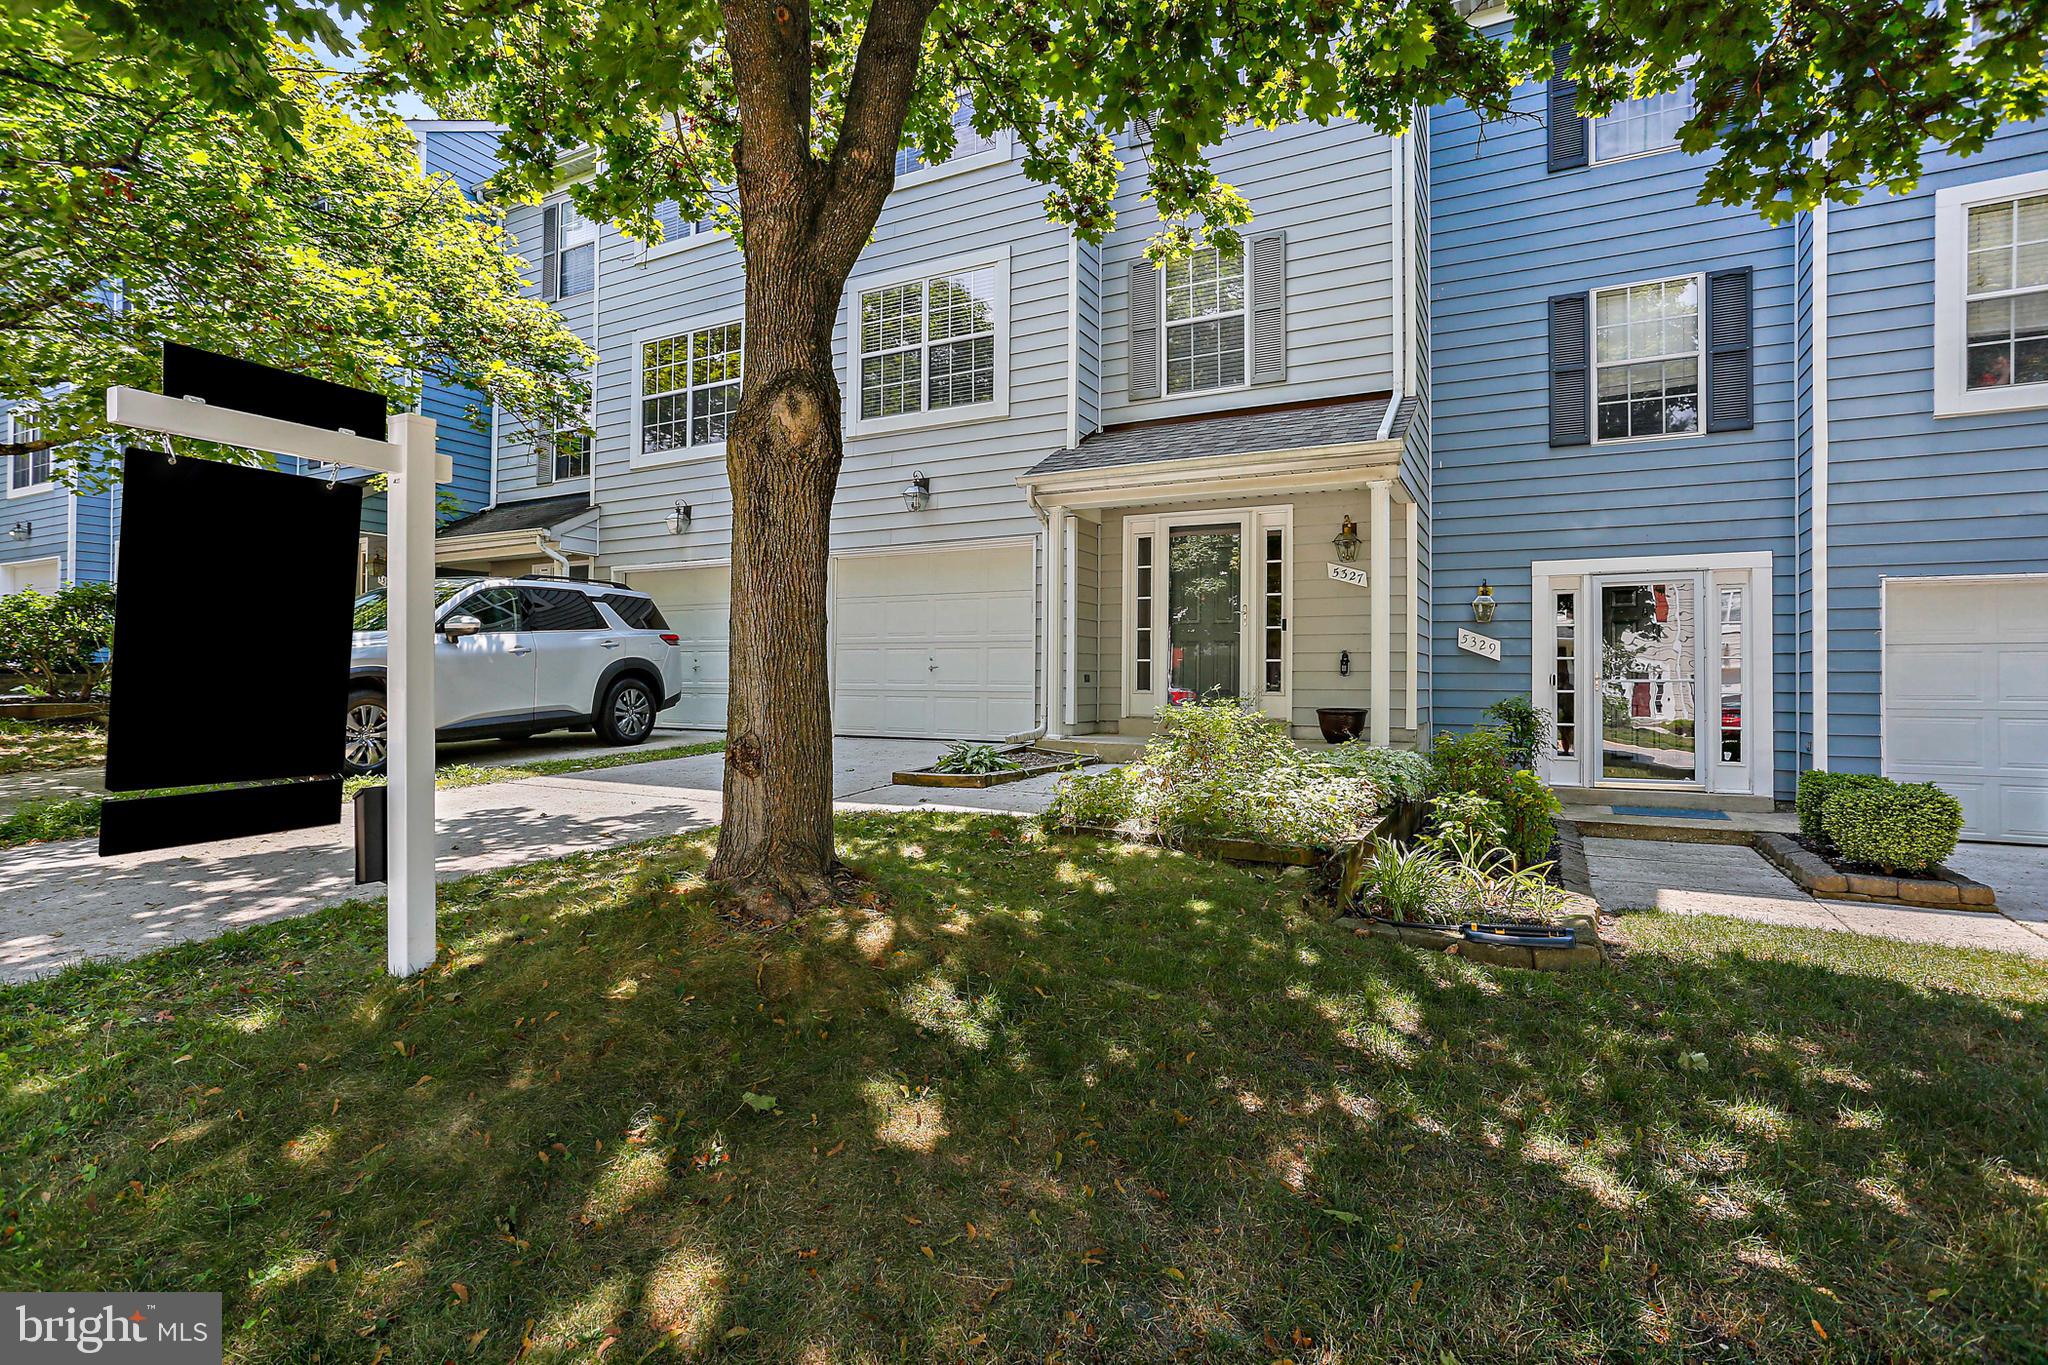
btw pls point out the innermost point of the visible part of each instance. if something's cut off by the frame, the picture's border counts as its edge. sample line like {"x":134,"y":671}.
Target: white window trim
{"x":1699,"y":280}
{"x":710,"y":450}
{"x":997,"y":406}
{"x":1005,"y":148}
{"x":1166,"y":326}
{"x":1593,"y":157}
{"x":1952,"y":397}
{"x":28,"y":489}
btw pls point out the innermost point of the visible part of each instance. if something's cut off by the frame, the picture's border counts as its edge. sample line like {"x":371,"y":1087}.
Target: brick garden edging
{"x":1943,"y":889}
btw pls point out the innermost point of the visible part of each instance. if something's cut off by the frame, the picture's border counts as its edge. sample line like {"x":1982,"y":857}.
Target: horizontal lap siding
{"x":1327,"y":187}
{"x":1505,"y":235}
{"x":469,"y":155}
{"x":517,"y":466}
{"x":466,"y":442}
{"x":1910,"y":494}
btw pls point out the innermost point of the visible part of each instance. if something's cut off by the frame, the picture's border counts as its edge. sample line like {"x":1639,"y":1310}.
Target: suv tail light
{"x":671,"y":639}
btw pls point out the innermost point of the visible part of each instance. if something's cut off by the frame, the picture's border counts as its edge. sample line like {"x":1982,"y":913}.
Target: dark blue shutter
{"x":1731,"y":366}
{"x":1566,"y":130}
{"x":1571,"y":357}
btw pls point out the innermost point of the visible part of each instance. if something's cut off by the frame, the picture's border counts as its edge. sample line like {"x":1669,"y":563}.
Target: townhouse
{"x":1077,"y":486}
{"x":1748,"y":498}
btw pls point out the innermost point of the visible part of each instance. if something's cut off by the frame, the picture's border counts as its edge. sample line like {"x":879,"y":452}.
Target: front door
{"x":1205,"y":612}
{"x":1648,"y":680}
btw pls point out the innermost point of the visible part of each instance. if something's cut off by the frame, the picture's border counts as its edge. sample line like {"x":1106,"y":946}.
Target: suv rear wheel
{"x":367,"y":741}
{"x":627,"y":716}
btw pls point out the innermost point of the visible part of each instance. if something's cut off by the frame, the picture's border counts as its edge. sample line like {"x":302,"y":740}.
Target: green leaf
{"x":760,"y":1104}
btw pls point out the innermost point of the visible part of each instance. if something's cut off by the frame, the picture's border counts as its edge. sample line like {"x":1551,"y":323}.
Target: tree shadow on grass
{"x":1029,"y":1097}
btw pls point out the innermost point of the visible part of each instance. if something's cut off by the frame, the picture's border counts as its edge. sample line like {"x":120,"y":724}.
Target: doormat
{"x":1670,"y":812}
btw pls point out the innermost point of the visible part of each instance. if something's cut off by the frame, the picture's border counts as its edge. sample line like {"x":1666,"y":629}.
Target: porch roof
{"x":536,"y":514}
{"x":1288,"y":427}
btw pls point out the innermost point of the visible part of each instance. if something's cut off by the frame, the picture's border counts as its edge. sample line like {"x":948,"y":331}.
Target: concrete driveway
{"x":60,"y":902}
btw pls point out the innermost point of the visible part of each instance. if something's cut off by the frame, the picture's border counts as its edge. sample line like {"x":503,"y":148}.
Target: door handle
{"x":609,"y":644}
{"x":520,"y":649}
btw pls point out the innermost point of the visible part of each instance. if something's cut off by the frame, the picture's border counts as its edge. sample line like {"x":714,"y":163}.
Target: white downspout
{"x":1397,"y":343}
{"x":1820,"y":485}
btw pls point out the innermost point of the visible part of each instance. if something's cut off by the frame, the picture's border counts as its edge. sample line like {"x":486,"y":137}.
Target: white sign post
{"x":415,"y":468}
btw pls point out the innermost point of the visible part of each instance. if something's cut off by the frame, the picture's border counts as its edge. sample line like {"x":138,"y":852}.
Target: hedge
{"x":1900,"y":827}
{"x":1815,"y":790}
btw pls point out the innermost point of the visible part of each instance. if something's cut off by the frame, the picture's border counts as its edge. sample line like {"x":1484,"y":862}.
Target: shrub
{"x":1398,"y":773}
{"x":1108,"y":798}
{"x":975,"y":759}
{"x":1480,"y":763}
{"x":1525,"y":727}
{"x":1468,"y":815}
{"x":58,"y":640}
{"x":1898,"y":826}
{"x":1816,"y":788}
{"x":1530,"y":808}
{"x":1473,"y":762}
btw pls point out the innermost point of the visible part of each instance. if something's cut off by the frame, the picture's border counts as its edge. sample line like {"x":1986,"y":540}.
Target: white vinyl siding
{"x":1205,"y":321}
{"x":1647,"y":354}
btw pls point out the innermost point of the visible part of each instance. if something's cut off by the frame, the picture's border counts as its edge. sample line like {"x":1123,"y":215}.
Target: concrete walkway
{"x":1728,"y":879}
{"x":61,"y":903}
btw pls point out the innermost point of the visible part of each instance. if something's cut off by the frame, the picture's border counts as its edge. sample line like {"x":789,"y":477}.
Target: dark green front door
{"x":1205,"y":587}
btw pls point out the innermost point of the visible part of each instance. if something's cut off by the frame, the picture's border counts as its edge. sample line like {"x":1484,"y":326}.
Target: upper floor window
{"x":933,"y":343}
{"x":1639,"y":126}
{"x":568,"y":251}
{"x":1991,"y":295}
{"x":689,"y":388}
{"x":29,"y":469}
{"x":564,"y":453}
{"x":1205,"y":321}
{"x":967,"y":144}
{"x":1647,"y":360}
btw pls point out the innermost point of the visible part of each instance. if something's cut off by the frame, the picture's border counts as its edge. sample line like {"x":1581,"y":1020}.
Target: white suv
{"x":516,"y":656}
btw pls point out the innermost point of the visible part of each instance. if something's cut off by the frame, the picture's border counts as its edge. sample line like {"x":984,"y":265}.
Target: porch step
{"x":1683,"y":825}
{"x":1676,"y":800}
{"x":1113,"y":748}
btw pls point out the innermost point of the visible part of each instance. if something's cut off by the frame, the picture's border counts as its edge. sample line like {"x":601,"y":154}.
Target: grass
{"x":28,"y":746}
{"x":75,"y":817}
{"x":1025,"y":1097}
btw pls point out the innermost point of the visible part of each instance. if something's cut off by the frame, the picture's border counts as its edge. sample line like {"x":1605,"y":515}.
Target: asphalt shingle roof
{"x":536,"y":514}
{"x":1233,"y":433}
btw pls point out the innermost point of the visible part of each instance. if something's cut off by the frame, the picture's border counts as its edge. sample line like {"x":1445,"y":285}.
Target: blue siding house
{"x":1741,"y":498}
{"x":50,"y":536}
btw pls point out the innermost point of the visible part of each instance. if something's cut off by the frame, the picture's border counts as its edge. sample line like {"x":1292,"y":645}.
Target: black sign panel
{"x":232,"y":612}
{"x":137,"y":824}
{"x":225,"y":382}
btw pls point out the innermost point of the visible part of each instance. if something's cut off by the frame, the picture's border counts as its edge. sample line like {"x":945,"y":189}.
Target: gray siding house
{"x":1129,"y":481}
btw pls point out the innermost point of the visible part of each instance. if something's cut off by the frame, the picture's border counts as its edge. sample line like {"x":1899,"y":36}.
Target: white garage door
{"x":695,"y":602}
{"x":936,"y":643}
{"x":1966,"y":698}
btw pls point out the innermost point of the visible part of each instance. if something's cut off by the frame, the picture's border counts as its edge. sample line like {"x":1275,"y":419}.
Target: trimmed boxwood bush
{"x":1898,"y":826}
{"x":1815,"y":789}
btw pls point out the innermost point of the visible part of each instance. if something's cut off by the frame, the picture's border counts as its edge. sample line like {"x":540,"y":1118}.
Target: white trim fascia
{"x":678,"y":246}
{"x":934,"y":547}
{"x":1951,"y":260}
{"x":672,"y":565}
{"x":668,"y":331}
{"x":1910,"y":579}
{"x":1817,"y":498}
{"x":1652,"y":564}
{"x":1411,"y":531}
{"x":997,"y":407}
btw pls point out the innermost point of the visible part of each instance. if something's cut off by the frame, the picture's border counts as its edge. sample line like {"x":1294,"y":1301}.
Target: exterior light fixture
{"x":21,"y":530}
{"x":1346,"y":541}
{"x":679,"y":518}
{"x":917,"y":492}
{"x":1482,"y":605}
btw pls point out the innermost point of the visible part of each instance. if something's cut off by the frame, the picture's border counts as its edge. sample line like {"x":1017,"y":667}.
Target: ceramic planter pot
{"x":1339,"y":723}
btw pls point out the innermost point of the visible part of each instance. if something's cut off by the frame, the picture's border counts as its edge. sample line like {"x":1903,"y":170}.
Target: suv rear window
{"x":638,"y":612}
{"x":558,"y":609}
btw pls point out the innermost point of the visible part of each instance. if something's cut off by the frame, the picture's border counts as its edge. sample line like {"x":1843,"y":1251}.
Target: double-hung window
{"x":970,"y":148}
{"x":1991,"y":295}
{"x":689,"y":390}
{"x":1205,"y":321}
{"x":933,"y":346}
{"x":1647,"y":354}
{"x":562,"y":452}
{"x":31,"y":469}
{"x":677,"y":231}
{"x":568,"y":251}
{"x":1637,"y":127}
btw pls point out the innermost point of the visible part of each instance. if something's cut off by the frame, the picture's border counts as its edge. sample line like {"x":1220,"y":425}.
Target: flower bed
{"x":1014,"y":764}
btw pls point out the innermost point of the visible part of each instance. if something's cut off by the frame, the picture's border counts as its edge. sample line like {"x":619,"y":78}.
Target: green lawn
{"x":38,"y":746}
{"x":76,"y":817}
{"x":1022,"y":1098}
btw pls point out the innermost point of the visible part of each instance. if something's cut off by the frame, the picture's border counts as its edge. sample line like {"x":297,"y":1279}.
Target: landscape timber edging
{"x":1944,"y":889}
{"x":925,"y":777}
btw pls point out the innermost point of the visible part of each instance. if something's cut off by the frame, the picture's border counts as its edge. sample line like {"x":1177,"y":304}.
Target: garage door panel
{"x":1966,"y":698}
{"x":939,"y":644}
{"x":696,"y":604}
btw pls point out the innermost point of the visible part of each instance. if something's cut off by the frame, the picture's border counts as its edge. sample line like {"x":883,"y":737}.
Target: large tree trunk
{"x":775,"y":850}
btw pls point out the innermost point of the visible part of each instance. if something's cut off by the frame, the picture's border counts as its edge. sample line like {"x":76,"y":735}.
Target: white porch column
{"x":1414,"y":624}
{"x":1057,"y":520}
{"x":1381,"y":592}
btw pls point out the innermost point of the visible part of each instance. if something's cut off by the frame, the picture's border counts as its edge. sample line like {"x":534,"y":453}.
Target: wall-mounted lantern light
{"x":1346,"y":541}
{"x":1482,"y":605}
{"x":21,"y":530}
{"x":679,"y":518}
{"x":917,"y":492}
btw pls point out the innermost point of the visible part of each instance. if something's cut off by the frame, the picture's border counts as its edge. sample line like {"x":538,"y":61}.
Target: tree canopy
{"x":131,"y":212}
